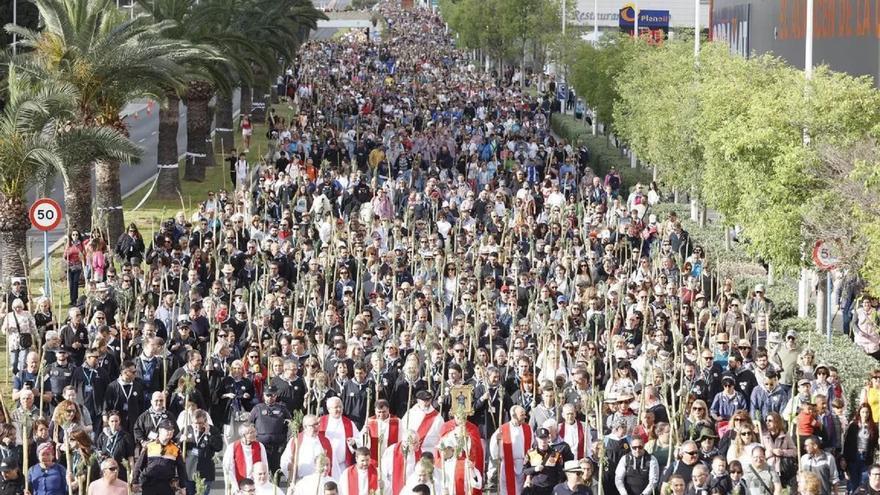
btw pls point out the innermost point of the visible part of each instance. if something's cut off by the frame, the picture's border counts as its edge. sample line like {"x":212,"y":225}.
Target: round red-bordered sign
{"x":45,"y":214}
{"x":824,"y":256}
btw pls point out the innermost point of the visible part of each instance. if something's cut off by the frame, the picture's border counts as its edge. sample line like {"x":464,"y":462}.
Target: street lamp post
{"x":696,"y":29}
{"x":14,"y":22}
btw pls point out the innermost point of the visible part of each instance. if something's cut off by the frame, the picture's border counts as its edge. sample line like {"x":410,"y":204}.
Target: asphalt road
{"x":143,"y":123}
{"x":142,"y":119}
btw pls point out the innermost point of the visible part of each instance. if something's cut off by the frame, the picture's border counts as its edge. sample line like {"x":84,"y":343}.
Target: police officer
{"x":160,"y":469}
{"x":60,"y":374}
{"x":200,"y":441}
{"x":543,"y":467}
{"x":270,"y":419}
{"x":638,"y":472}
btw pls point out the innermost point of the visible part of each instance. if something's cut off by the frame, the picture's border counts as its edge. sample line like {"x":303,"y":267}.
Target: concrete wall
{"x":847,"y":32}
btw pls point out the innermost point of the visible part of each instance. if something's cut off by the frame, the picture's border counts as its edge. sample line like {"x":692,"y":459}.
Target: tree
{"x":28,"y":154}
{"x":595,"y":70}
{"x":110,"y":59}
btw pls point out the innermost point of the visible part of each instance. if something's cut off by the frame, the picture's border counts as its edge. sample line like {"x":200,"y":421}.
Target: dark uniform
{"x":90,"y":385}
{"x":549,"y":476}
{"x":355,"y":399}
{"x":271,"y":423}
{"x":200,"y":450}
{"x":152,"y":372}
{"x":60,"y":376}
{"x":119,"y":445}
{"x":160,"y":468}
{"x":147,"y":425}
{"x":291,"y":393}
{"x":127,"y":398}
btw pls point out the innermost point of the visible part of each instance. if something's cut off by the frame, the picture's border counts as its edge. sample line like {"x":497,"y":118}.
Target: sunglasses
{"x":114,"y":468}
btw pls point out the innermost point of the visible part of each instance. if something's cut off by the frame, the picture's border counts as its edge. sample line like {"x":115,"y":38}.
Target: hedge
{"x":603,"y":154}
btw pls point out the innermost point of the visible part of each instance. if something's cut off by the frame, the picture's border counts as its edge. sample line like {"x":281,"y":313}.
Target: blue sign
{"x":562,"y":91}
{"x":649,"y":19}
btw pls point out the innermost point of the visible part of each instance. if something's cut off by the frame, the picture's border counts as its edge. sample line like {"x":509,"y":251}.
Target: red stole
{"x":507,"y":446}
{"x":460,"y":473}
{"x":398,"y":470}
{"x":476,"y":450}
{"x":373,"y":428}
{"x":325,"y":444}
{"x":348,"y":426}
{"x":354,"y":482}
{"x":240,"y":463}
{"x":580,"y":428}
{"x":426,"y":424}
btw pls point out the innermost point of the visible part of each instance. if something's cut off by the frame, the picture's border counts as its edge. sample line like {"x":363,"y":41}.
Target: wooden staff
{"x":25,"y":452}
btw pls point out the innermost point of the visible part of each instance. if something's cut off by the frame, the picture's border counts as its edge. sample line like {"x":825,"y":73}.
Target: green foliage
{"x":603,"y":154}
{"x":595,"y":70}
{"x":660,"y":83}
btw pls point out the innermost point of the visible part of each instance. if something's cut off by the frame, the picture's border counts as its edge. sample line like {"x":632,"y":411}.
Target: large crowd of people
{"x":421,"y":290}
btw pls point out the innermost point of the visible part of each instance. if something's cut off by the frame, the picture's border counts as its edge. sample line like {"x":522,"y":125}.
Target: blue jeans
{"x":857,"y":472}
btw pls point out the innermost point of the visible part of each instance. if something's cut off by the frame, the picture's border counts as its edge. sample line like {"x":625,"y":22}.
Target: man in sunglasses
{"x":109,"y":483}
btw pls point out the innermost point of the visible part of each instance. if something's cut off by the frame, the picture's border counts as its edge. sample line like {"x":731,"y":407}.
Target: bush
{"x":853,"y":366}
{"x":603,"y":154}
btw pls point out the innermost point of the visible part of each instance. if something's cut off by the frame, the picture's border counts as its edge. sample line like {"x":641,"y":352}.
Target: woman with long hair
{"x":871,"y":394}
{"x":65,"y":419}
{"x":74,"y":258}
{"x":84,"y":466}
{"x":859,"y":446}
{"x":782,"y":454}
{"x":697,"y":419}
{"x":741,"y":448}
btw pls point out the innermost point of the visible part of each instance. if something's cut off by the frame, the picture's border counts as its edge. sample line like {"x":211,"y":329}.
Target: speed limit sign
{"x":45,"y":214}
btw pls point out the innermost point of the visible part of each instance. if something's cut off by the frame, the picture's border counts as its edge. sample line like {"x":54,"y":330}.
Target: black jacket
{"x":200,"y":450}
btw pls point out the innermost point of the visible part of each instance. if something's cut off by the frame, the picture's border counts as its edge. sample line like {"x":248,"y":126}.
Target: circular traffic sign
{"x":825,"y":256}
{"x":45,"y":214}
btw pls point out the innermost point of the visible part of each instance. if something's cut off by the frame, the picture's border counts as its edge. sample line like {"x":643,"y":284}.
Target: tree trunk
{"x":258,"y":105}
{"x":169,"y":168}
{"x":78,"y":197}
{"x":197,"y":127}
{"x":246,"y":100}
{"x":13,"y":238}
{"x":224,"y":134}
{"x":209,"y":139}
{"x":108,"y":197}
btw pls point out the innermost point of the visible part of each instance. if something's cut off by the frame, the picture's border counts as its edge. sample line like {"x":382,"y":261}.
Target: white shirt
{"x":336,"y":434}
{"x":312,"y":484}
{"x":519,"y":448}
{"x":471,"y":473}
{"x":413,"y":419}
{"x":309,"y":450}
{"x":268,"y":489}
{"x":229,"y":460}
{"x":363,"y":479}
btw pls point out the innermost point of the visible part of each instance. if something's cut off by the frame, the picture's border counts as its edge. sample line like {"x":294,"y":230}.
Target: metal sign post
{"x":45,"y":215}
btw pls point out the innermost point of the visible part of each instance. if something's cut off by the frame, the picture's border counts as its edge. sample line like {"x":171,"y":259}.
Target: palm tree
{"x":34,"y":127}
{"x":279,"y":27}
{"x":111,"y":60}
{"x":28,"y":153}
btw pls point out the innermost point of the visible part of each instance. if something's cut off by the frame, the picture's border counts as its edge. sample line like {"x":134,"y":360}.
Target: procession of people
{"x":419,"y":289}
